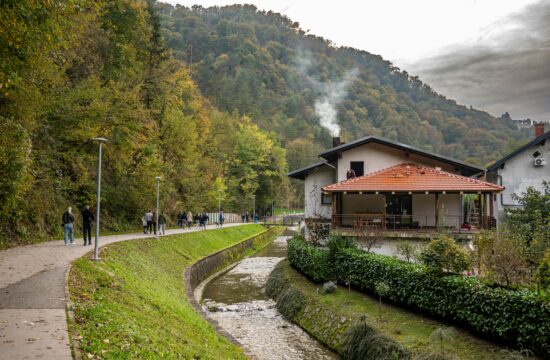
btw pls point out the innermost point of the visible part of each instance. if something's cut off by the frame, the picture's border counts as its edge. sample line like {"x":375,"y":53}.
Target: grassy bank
{"x":328,"y":317}
{"x":132,"y":304}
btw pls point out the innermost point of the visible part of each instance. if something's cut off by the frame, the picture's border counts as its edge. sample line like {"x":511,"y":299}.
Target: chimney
{"x":336,"y":141}
{"x":539,"y":129}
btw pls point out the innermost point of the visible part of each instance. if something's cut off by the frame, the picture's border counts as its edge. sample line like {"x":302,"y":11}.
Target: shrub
{"x":290,"y":302}
{"x":444,"y":255}
{"x":407,"y":250}
{"x":328,"y":288}
{"x":542,"y":275}
{"x":519,"y":317}
{"x":276,"y":282}
{"x":310,"y":260}
{"x":363,"y":342}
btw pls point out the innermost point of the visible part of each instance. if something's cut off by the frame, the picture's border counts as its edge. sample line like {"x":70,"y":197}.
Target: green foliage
{"x":542,"y":276}
{"x":364,"y":342}
{"x":407,"y":250}
{"x":74,"y":71}
{"x":290,"y":302}
{"x":444,"y":255}
{"x":328,"y":288}
{"x":135,"y":298}
{"x":310,"y":260}
{"x":264,"y":65}
{"x":520,"y":317}
{"x":530,"y":222}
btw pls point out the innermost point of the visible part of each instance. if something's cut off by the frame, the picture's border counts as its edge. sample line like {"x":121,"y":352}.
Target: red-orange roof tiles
{"x":412,"y":177}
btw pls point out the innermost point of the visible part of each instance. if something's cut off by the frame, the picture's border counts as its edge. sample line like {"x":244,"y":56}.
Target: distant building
{"x":527,"y":166}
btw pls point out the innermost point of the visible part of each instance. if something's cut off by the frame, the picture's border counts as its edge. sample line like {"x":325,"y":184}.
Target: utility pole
{"x":100,"y":140}
{"x":219,"y":207}
{"x":158,"y":196}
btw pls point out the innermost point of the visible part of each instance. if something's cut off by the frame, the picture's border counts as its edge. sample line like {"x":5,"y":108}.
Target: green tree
{"x":444,"y":255}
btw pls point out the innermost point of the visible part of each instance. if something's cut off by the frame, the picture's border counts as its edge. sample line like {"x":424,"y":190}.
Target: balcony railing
{"x":420,"y":223}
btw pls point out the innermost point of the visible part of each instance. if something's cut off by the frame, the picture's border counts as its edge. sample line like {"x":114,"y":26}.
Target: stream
{"x":237,"y":301}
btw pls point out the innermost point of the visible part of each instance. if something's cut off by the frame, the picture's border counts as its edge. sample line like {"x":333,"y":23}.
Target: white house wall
{"x":423,"y":209}
{"x":377,"y":157}
{"x":519,"y":173}
{"x":313,"y":183}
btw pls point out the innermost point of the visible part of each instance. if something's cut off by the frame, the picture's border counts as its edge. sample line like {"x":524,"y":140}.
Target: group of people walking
{"x":149,"y":221}
{"x":67,"y":221}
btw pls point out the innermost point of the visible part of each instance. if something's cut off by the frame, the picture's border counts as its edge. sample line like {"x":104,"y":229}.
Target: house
{"x":396,"y":187}
{"x":526,"y":166}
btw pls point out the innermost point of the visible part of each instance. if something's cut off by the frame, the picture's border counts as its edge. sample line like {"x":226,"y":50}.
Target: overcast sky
{"x":491,"y":54}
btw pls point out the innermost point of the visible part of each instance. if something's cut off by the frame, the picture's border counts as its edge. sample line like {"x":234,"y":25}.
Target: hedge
{"x":518,"y":317}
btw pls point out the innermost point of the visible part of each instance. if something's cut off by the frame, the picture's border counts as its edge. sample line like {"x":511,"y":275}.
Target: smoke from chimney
{"x":331,"y":94}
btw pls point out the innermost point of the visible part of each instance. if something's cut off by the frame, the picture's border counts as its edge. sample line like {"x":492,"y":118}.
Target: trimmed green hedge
{"x":517,"y":317}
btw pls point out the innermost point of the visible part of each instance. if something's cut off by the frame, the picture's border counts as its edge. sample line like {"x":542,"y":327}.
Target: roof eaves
{"x":384,"y":141}
{"x":305,"y":170}
{"x":535,"y":141}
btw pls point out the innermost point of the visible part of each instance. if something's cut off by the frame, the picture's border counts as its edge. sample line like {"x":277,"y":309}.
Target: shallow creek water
{"x":237,"y":301}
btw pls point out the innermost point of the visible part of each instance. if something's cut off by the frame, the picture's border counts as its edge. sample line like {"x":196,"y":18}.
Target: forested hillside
{"x":72,"y":71}
{"x":264,"y":65}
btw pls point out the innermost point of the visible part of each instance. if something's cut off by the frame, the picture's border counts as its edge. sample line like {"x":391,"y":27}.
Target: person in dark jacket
{"x":162,"y":224}
{"x":87,"y":219}
{"x":68,"y":226}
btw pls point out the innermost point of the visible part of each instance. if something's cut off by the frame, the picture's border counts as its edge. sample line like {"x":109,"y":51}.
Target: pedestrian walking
{"x":189,"y":219}
{"x":183,"y":219}
{"x":155,"y":222}
{"x":221,"y":219}
{"x":204,"y":220}
{"x":144,"y":223}
{"x":68,"y":226}
{"x":149,"y":219}
{"x":246,"y":216}
{"x":162,"y":224}
{"x":87,"y":219}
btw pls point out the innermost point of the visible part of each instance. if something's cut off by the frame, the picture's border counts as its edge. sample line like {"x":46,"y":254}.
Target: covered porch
{"x":408,"y":198}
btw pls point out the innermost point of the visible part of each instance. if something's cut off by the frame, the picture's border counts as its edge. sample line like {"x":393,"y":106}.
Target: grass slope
{"x":132,"y":304}
{"x":412,"y":331}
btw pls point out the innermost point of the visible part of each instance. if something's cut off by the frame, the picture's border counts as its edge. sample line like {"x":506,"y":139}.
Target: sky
{"x":493,"y":55}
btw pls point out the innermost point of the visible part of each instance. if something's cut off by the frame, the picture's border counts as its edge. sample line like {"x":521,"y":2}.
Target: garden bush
{"x":310,"y":260}
{"x":519,"y":317}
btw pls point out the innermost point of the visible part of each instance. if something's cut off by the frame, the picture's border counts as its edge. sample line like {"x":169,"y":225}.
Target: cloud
{"x":506,"y":69}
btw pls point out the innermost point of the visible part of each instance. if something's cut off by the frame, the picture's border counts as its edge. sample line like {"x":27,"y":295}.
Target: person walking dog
{"x":68,"y":226}
{"x":87,"y":219}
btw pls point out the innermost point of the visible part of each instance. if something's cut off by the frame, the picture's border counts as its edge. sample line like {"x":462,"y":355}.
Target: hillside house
{"x":395,"y":187}
{"x":527,"y":166}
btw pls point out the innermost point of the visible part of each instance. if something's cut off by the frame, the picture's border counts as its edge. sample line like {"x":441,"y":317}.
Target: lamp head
{"x":100,"y":139}
{"x":157,"y":177}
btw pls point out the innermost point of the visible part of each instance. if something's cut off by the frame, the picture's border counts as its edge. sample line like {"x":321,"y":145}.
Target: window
{"x":326,"y":199}
{"x":358,"y":167}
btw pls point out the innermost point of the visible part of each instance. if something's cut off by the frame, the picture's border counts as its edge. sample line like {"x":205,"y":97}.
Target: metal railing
{"x":414,"y":222}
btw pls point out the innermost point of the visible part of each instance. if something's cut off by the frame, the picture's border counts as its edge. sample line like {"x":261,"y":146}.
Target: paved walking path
{"x":33,"y":322}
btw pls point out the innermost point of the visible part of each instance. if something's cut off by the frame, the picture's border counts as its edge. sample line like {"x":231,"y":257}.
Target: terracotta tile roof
{"x":415,"y":178}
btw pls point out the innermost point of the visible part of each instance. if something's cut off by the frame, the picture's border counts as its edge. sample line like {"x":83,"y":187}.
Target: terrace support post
{"x":334,"y":210}
{"x":385,"y":212}
{"x":480,"y":199}
{"x":436,"y":210}
{"x":491,"y":197}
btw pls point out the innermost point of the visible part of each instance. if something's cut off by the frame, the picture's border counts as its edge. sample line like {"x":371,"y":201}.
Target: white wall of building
{"x":378,"y":157}
{"x":313,"y":183}
{"x":423,"y":209}
{"x":518,"y":174}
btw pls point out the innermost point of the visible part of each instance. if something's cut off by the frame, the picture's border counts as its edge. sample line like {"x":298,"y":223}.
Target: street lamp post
{"x":158,"y":193}
{"x":254,"y":207}
{"x":219,"y":207}
{"x":96,"y":245}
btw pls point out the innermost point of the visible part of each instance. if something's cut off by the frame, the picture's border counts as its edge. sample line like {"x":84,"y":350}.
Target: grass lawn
{"x":408,"y":329}
{"x":132,"y":304}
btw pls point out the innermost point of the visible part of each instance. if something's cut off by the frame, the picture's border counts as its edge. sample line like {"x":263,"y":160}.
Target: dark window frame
{"x":357,"y":173}
{"x":326,"y":199}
